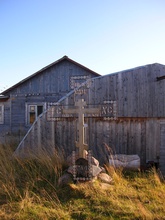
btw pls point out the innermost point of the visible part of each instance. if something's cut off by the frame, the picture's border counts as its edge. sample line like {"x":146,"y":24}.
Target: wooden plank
{"x":151,"y":139}
{"x":120,"y":94}
{"x":162,"y":148}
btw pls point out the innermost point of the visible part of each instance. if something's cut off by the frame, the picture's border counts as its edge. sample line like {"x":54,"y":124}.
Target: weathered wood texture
{"x":162,"y":147}
{"x":47,"y":85}
{"x":137,"y":91}
{"x":140,"y":100}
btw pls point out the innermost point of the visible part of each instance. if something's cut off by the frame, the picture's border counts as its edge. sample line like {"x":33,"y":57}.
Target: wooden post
{"x":80,"y":110}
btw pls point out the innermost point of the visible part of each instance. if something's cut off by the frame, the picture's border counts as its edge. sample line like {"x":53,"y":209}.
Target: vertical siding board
{"x":156,"y":99}
{"x":108,"y":132}
{"x":120,"y":137}
{"x":110,"y":88}
{"x":119,"y":85}
{"x":98,"y":91}
{"x":132,"y":136}
{"x":141,"y":97}
{"x":89,"y":133}
{"x":159,"y":97}
{"x":138,"y":138}
{"x":148,"y":130}
{"x":95,"y":134}
{"x":140,"y":100}
{"x":104,"y":96}
{"x":105,"y":139}
{"x":128,"y":95}
{"x":135,"y":93}
{"x":162,"y":147}
{"x":17,"y":114}
{"x":94,"y":92}
{"x":163,"y":99}
{"x":125,"y":91}
{"x":143,"y":143}
{"x":113,"y":145}
{"x":145,"y":93}
{"x":114,"y":91}
{"x":158,"y":140}
{"x":116,"y":140}
{"x":125,"y":132}
{"x":91,"y":92}
{"x":138,"y":79}
{"x":100,"y":139}
{"x":151,"y":139}
{"x":163,"y":73}
{"x":150,"y":92}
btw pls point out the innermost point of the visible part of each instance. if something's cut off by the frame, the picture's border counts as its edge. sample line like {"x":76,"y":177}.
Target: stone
{"x":65,"y":180}
{"x":94,"y":161}
{"x":127,"y":162}
{"x":104,"y":177}
{"x":82,"y":168}
{"x":103,"y":170}
{"x":95,"y":170}
{"x":70,"y":170}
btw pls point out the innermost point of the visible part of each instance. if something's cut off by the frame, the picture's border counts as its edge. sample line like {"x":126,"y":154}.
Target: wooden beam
{"x":160,"y":78}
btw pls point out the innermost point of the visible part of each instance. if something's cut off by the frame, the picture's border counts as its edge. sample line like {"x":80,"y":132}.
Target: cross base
{"x":82,"y":149}
{"x":82,"y":168}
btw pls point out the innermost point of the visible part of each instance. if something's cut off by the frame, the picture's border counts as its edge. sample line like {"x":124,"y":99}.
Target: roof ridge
{"x":46,"y":67}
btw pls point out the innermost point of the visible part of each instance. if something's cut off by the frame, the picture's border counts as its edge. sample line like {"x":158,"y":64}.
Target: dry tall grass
{"x":25,"y":182}
{"x":29,"y":190}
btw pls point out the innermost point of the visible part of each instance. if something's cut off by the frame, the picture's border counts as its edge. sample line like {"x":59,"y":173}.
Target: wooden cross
{"x":80,"y":110}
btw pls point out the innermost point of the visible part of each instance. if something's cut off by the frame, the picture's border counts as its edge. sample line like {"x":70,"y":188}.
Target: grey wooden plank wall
{"x":162,"y":147}
{"x":4,"y":128}
{"x":54,"y":80}
{"x":137,"y":91}
{"x":126,"y":136}
{"x":140,"y":107}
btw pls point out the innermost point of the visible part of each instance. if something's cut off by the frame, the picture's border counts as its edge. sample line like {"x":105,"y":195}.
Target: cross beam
{"x":80,"y":110}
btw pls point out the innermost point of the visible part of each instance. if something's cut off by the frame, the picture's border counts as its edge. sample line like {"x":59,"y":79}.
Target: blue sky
{"x":103,"y":35}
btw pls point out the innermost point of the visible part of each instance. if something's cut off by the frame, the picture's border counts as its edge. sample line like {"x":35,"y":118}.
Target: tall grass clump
{"x":29,"y":191}
{"x":25,"y":182}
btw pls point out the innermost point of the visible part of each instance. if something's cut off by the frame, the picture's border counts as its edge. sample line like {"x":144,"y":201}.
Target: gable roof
{"x":46,"y":67}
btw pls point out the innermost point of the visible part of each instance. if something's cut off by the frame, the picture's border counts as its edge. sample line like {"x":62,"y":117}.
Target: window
{"x":1,"y":114}
{"x":33,"y":111}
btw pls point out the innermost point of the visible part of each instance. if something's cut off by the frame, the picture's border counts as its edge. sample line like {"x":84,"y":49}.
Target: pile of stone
{"x":83,"y":170}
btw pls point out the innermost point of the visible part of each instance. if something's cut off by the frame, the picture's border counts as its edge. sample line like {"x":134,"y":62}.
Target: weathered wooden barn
{"x":21,"y":104}
{"x":131,"y":117}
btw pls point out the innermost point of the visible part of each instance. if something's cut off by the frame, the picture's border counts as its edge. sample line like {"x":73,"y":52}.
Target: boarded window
{"x":33,"y":112}
{"x":1,"y":114}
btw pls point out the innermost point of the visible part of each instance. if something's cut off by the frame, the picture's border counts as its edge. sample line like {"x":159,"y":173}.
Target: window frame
{"x":35,"y":104}
{"x":2,"y":112}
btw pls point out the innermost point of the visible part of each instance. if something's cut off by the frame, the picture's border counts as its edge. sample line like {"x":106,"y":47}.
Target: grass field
{"x":29,"y":190}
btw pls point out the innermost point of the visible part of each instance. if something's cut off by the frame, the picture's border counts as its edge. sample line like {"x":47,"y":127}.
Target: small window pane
{"x":34,"y":111}
{"x":32,"y":117}
{"x":39,"y":110}
{"x":32,"y":108}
